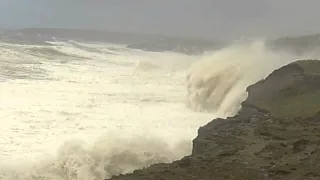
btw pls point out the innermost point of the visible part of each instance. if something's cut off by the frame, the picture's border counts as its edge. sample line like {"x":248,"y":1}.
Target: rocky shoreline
{"x":275,"y":136}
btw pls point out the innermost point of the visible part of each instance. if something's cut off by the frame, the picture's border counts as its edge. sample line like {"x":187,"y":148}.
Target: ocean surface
{"x":87,"y":111}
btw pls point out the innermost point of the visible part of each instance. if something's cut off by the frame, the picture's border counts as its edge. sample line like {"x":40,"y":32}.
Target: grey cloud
{"x":204,"y":18}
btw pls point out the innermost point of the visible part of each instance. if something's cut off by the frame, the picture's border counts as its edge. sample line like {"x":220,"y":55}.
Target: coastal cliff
{"x":275,"y":135}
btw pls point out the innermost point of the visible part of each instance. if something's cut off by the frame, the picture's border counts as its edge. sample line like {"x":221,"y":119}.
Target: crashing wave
{"x":218,"y":82}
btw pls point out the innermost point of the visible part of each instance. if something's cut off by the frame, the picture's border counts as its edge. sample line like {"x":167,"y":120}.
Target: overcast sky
{"x":199,"y":18}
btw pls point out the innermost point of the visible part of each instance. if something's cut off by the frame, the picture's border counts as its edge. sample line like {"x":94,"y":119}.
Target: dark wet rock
{"x":268,"y":139}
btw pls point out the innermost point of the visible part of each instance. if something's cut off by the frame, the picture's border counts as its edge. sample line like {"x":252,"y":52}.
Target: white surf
{"x":90,"y":111}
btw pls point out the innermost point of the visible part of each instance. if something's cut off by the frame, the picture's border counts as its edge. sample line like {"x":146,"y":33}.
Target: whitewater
{"x":87,"y":111}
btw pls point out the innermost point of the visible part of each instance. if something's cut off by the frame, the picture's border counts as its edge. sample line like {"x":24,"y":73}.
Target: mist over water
{"x":90,"y":111}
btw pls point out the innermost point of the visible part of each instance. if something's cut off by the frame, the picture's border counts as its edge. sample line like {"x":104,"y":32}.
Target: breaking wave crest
{"x":145,"y":66}
{"x":108,"y":156}
{"x":218,"y":82}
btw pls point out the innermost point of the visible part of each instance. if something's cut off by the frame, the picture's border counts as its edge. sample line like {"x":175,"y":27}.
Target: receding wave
{"x":11,"y":72}
{"x":14,"y":64}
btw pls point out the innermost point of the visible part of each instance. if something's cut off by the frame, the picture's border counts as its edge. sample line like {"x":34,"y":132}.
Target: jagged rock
{"x":275,"y":136}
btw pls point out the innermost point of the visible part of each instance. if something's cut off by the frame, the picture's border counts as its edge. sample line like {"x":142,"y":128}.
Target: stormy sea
{"x":77,"y":105}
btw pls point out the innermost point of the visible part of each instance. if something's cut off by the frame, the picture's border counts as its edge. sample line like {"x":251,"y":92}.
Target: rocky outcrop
{"x":298,"y":45}
{"x":291,"y":91}
{"x":275,"y":136}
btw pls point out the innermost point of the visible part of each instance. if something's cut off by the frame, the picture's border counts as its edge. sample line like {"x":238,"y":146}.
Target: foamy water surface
{"x":90,"y":111}
{"x":111,"y":94}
